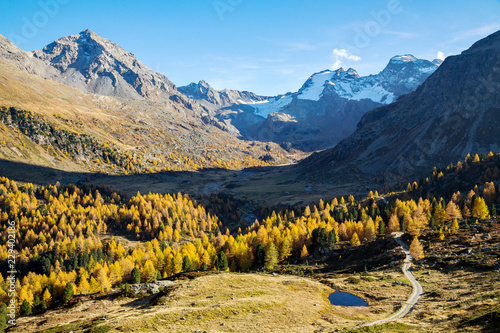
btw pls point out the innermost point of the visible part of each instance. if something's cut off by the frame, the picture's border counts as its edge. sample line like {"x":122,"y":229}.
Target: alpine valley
{"x":128,"y":204}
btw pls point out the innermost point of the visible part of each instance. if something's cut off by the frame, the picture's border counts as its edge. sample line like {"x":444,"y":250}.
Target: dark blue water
{"x":346,"y":299}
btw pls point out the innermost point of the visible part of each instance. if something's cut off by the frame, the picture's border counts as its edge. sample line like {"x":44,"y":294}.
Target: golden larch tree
{"x":304,"y":253}
{"x":452,"y":211}
{"x":454,"y":226}
{"x":355,"y":240}
{"x":271,"y":258}
{"x":393,"y":225}
{"x":416,"y":249}
{"x":480,"y":210}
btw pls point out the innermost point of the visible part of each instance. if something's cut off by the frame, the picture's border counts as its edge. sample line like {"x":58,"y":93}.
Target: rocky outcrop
{"x":150,"y":288}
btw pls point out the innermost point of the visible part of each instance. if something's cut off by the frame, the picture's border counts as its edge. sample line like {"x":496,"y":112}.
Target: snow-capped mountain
{"x":435,"y":125}
{"x":402,"y":75}
{"x":326,"y":108}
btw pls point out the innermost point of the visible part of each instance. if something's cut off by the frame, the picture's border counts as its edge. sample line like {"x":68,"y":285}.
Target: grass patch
{"x":79,"y":327}
{"x":99,"y":329}
{"x":433,"y":294}
{"x":389,"y":327}
{"x":75,"y":327}
{"x":353,"y":280}
{"x":488,"y":319}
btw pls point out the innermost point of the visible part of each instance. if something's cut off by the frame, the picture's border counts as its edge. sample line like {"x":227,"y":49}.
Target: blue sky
{"x":268,"y":47}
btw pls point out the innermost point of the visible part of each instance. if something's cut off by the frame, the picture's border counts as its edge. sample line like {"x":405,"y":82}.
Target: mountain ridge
{"x":87,"y":60}
{"x":94,"y":64}
{"x":212,"y":98}
{"x":324,"y":110}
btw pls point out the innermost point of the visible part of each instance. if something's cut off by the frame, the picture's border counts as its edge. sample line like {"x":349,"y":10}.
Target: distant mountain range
{"x":214,"y":99}
{"x":324,"y":111}
{"x":455,"y":112}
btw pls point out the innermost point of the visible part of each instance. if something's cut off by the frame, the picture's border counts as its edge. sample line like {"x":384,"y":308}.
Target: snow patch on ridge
{"x":315,"y":89}
{"x":403,"y":58}
{"x":265,"y":108}
{"x":375,"y":92}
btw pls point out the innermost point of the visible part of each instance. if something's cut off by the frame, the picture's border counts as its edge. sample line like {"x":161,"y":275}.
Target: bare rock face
{"x":456,"y":111}
{"x":94,"y":64}
{"x":311,"y":125}
{"x":24,"y":60}
{"x":214,"y":99}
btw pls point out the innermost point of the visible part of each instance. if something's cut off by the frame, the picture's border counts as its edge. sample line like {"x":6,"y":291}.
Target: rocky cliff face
{"x":455,"y":112}
{"x":214,"y":99}
{"x":95,"y":64}
{"x":24,"y":60}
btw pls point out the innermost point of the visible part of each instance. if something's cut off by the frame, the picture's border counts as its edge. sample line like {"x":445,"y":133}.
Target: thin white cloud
{"x":339,"y":55}
{"x":402,"y":34}
{"x":482,"y":31}
{"x":440,"y":55}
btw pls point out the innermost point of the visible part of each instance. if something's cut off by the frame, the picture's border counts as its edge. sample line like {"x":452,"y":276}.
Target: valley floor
{"x":270,"y":186}
{"x":284,"y":303}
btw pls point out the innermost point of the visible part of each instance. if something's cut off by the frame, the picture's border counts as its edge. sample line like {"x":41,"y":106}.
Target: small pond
{"x":346,"y":299}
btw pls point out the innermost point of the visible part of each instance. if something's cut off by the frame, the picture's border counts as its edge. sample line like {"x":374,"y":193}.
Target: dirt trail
{"x":417,"y":287}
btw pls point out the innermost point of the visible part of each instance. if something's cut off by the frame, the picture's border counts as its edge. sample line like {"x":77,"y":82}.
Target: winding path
{"x":417,"y":287}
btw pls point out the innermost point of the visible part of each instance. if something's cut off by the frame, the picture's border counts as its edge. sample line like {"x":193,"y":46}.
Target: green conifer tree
{"x":25,"y":308}
{"x":135,"y":275}
{"x":186,"y":264}
{"x":69,"y":291}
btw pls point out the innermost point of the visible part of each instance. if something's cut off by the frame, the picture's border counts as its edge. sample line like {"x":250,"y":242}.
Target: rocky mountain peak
{"x":408,"y":62}
{"x":213,"y":99}
{"x":88,"y":32}
{"x":86,"y":51}
{"x":203,"y":83}
{"x":352,"y":73}
{"x":198,"y":90}
{"x":404,"y":73}
{"x":338,"y":74}
{"x":95,"y":64}
{"x":402,"y":59}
